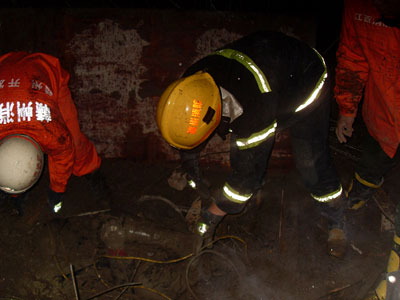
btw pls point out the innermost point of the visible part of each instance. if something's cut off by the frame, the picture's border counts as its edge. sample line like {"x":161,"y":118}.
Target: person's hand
{"x":54,"y":199}
{"x":344,"y":128}
{"x":202,"y":188}
{"x":206,"y":227}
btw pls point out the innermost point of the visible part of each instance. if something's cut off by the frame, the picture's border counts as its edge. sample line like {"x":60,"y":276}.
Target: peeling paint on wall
{"x":213,"y":39}
{"x":121,"y":64}
{"x":109,"y":75}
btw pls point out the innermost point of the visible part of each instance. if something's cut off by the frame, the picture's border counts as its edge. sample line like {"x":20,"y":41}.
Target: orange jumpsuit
{"x":35,"y":100}
{"x":368,"y":57}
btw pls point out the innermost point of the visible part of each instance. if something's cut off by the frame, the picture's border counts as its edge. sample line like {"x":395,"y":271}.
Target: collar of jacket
{"x":231,"y":108}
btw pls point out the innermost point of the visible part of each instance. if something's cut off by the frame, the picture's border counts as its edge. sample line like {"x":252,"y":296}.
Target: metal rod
{"x":130,"y":284}
{"x":74,"y":282}
{"x":89,"y":213}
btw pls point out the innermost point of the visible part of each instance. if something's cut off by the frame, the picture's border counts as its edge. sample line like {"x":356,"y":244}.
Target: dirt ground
{"x":137,"y":245}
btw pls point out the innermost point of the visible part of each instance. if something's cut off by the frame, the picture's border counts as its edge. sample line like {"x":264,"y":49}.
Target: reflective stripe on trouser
{"x":329,"y":196}
{"x":367,"y":183}
{"x":233,"y":195}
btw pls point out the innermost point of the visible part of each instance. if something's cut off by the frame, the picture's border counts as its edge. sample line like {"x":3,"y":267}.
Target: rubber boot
{"x":360,"y":191}
{"x":333,"y":211}
{"x":393,"y":265}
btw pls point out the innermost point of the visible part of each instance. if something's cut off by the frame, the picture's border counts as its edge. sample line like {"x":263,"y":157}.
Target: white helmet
{"x":21,"y":163}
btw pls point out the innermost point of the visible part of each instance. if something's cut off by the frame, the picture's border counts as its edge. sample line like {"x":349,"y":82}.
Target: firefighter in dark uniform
{"x":251,"y":89}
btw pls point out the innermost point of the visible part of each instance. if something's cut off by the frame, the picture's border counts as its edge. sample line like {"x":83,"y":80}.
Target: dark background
{"x":326,"y":13}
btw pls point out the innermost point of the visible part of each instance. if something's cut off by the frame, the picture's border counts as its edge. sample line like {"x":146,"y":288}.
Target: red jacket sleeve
{"x":60,"y":169}
{"x":352,"y":66}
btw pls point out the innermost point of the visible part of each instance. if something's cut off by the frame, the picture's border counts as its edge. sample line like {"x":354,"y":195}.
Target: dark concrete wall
{"x":120,"y":60}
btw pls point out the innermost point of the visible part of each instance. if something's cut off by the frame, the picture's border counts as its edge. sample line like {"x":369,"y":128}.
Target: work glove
{"x":202,"y":188}
{"x":205,"y":228}
{"x":54,"y":199}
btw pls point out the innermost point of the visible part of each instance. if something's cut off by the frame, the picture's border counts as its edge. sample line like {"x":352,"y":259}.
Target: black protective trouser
{"x":309,"y":138}
{"x":374,"y":162}
{"x":374,"y":165}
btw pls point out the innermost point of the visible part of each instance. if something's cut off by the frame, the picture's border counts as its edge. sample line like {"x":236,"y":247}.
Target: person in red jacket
{"x":368,"y":60}
{"x":368,"y":68}
{"x":38,"y":115}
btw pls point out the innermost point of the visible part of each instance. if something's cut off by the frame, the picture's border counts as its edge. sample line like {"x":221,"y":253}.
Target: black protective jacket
{"x":293,"y":70}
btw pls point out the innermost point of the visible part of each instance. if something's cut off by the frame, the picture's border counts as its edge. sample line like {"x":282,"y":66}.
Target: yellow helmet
{"x":189,"y":110}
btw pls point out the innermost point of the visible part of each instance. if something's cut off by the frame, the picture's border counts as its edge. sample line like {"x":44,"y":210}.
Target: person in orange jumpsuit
{"x":368,"y":69}
{"x":35,"y":101}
